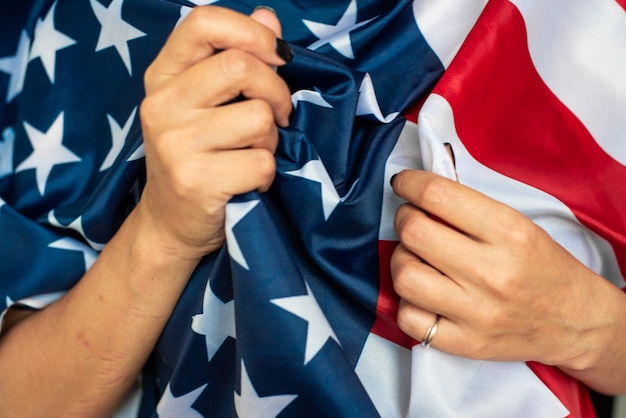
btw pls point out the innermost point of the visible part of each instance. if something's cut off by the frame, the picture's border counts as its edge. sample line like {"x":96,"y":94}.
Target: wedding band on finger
{"x":430,"y":333}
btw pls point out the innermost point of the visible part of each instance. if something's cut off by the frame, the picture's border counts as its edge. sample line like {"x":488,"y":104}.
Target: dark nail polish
{"x":283,"y":50}
{"x":392,"y":179}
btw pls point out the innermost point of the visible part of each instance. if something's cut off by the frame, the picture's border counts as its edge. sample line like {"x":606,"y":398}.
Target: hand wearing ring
{"x":505,"y":289}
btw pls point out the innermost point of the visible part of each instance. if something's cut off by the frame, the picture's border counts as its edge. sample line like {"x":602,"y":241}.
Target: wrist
{"x":159,"y":243}
{"x":601,"y":359}
{"x":148,"y":263}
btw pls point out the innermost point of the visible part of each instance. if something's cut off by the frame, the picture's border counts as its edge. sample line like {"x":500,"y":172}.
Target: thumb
{"x":267,"y":16}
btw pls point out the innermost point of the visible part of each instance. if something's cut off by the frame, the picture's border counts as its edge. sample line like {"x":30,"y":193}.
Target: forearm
{"x":80,"y":355}
{"x":602,"y":366}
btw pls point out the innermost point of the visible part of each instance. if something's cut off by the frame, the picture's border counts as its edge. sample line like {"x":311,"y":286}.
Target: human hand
{"x":504,"y":289}
{"x":202,"y":148}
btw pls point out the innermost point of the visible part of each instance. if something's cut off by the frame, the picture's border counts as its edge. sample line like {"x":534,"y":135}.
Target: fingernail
{"x":392,"y":179}
{"x":283,"y":50}
{"x":263,"y":7}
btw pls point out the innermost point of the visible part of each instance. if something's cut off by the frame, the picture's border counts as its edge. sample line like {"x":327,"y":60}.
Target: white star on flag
{"x":203,"y":2}
{"x":48,"y":151}
{"x":314,"y":170}
{"x":76,"y":225}
{"x":15,"y":66}
{"x":139,"y":153}
{"x":2,"y":202}
{"x":338,"y":35}
{"x":47,"y":41}
{"x":318,"y":329}
{"x":368,"y":103}
{"x":172,"y":407}
{"x":216,"y":322}
{"x":6,"y":151}
{"x":118,"y":136}
{"x":236,"y":211}
{"x":309,"y":96}
{"x":249,"y":404}
{"x":115,"y":31}
{"x":68,"y":244}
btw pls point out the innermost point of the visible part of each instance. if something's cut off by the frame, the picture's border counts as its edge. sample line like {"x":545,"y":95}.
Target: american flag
{"x":295,"y":316}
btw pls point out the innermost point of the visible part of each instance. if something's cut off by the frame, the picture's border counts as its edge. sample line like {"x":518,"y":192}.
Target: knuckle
{"x":165,"y":143}
{"x":182,"y":181}
{"x":199,"y":20}
{"x":396,"y":262}
{"x":434,"y":190}
{"x":522,"y":233}
{"x":236,"y":64}
{"x":148,"y":112}
{"x":261,"y":116}
{"x":405,"y":321}
{"x":515,"y":228}
{"x":491,"y":319}
{"x":505,"y":285}
{"x":148,"y":77}
{"x":402,"y":276}
{"x":261,"y":36}
{"x":266,"y":165}
{"x":410,"y":227}
{"x":214,"y":209}
{"x":160,"y":122}
{"x":153,"y":112}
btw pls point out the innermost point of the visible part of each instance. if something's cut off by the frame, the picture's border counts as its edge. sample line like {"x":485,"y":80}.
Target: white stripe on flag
{"x":384,"y":371}
{"x":410,"y":152}
{"x":446,"y":23}
{"x":577,"y":46}
{"x":436,"y":124}
{"x":438,"y":383}
{"x":447,"y":386}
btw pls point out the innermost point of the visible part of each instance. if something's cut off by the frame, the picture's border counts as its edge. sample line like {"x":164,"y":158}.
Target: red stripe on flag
{"x":571,"y":393}
{"x":622,"y":3}
{"x":413,"y":110}
{"x":510,"y":121}
{"x":385,"y":325}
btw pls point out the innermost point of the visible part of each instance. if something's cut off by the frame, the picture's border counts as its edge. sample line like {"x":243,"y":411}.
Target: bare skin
{"x":504,"y":288}
{"x":79,"y":356}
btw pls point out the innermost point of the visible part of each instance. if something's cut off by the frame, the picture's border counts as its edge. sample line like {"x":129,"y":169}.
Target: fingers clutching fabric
{"x":490,"y":273}
{"x":425,"y":294}
{"x":198,"y":152}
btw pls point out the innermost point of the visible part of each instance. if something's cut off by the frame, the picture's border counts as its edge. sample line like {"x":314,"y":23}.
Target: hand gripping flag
{"x":295,"y":316}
